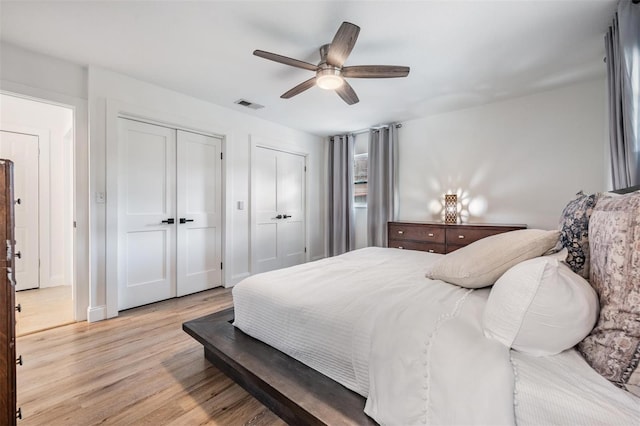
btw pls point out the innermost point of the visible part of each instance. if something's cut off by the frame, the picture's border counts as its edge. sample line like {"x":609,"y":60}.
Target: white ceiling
{"x":461,"y":53}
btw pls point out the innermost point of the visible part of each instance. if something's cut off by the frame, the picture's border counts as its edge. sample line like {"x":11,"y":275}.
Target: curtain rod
{"x":358,"y":132}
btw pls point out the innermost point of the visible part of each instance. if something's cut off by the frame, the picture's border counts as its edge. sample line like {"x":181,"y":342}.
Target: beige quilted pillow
{"x":481,"y":263}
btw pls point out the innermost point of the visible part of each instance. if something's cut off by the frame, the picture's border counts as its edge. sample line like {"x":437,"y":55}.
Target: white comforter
{"x":414,"y":347}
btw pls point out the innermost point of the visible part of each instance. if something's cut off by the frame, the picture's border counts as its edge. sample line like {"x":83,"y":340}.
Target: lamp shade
{"x":450,"y":208}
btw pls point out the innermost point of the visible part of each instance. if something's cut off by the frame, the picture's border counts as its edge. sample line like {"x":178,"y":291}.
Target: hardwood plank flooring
{"x":43,"y":308}
{"x":138,"y":368}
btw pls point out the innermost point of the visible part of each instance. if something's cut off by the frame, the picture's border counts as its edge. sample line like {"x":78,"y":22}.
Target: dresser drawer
{"x":422,"y":233}
{"x":416,"y":245}
{"x":462,"y":236}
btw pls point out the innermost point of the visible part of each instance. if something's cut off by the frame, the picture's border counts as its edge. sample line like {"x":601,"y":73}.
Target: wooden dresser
{"x":436,"y":237}
{"x":8,"y":413}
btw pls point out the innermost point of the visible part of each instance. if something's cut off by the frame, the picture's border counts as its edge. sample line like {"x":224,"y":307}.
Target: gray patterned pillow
{"x":574,"y":232}
{"x":613,"y":347}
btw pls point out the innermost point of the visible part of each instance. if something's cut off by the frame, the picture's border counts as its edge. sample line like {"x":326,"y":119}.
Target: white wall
{"x":139,"y":98}
{"x":41,"y":71}
{"x":522,"y":159}
{"x":56,"y":215}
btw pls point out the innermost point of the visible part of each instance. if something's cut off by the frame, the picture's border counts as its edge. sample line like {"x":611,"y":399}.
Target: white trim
{"x":314,"y":258}
{"x":82,"y":238}
{"x":96,"y":313}
{"x":117,"y":109}
{"x":259,"y":142}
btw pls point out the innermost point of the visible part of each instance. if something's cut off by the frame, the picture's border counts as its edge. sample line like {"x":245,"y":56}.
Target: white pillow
{"x":481,"y":263}
{"x":540,"y":307}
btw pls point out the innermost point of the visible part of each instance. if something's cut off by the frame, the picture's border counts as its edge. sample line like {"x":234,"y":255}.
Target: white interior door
{"x":146,"y":213}
{"x":279,"y":203}
{"x":199,"y":199}
{"x":23,"y":150}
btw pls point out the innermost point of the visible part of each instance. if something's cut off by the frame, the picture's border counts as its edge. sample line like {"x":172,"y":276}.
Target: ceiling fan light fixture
{"x":330,"y":73}
{"x":329,"y":79}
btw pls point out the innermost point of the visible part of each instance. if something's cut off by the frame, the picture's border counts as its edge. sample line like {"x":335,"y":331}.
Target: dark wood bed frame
{"x":293,"y":391}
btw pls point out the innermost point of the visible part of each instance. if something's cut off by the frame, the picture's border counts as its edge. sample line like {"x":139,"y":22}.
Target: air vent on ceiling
{"x":248,"y":104}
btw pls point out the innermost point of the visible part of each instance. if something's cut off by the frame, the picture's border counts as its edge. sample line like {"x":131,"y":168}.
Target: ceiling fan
{"x":330,"y":72}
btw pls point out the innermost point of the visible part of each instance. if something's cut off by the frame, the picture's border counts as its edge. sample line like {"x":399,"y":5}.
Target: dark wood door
{"x":7,"y":298}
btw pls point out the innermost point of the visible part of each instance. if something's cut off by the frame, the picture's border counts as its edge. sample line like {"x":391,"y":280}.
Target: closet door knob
{"x":185,"y":220}
{"x":278,"y":217}
{"x":169,"y":221}
{"x":284,"y":216}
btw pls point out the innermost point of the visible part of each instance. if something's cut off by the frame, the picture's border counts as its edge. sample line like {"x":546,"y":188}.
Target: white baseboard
{"x":96,"y":313}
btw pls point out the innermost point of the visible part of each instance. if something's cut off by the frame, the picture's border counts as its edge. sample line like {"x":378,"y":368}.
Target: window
{"x":360,"y":177}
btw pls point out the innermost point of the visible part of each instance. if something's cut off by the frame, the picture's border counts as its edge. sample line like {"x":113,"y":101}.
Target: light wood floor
{"x":138,"y":368}
{"x":43,"y":308}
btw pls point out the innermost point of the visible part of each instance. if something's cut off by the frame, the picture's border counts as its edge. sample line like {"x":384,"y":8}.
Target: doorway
{"x":38,"y":137}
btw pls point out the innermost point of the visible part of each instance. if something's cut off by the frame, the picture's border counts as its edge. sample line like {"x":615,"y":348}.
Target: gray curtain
{"x":622,"y":43}
{"x":382,"y":183}
{"x":341,"y":215}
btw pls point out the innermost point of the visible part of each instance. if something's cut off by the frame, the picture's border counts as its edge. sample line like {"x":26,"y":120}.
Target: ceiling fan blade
{"x":347,"y":94}
{"x":285,"y":60}
{"x":299,"y":88}
{"x":342,"y":44}
{"x":375,"y":71}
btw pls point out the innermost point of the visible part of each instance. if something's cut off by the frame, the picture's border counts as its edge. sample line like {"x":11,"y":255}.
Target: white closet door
{"x":22,"y":149}
{"x":279,"y":203}
{"x":199,"y":219}
{"x":146,"y":198}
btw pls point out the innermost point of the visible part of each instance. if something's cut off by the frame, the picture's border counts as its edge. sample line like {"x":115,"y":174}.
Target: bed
{"x":365,"y":337}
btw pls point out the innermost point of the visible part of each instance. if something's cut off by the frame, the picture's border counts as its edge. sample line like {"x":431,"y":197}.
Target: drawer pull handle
{"x":400,"y":232}
{"x":431,"y":251}
{"x":430,"y":234}
{"x":401,"y":248}
{"x":461,"y":237}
